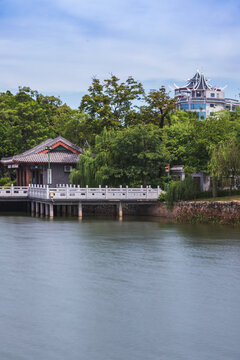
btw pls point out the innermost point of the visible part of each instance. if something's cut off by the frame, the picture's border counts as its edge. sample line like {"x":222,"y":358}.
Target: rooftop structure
{"x":199,"y":96}
{"x":32,"y":166}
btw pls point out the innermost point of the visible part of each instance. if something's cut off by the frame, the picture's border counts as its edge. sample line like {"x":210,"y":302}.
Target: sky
{"x":58,"y":46}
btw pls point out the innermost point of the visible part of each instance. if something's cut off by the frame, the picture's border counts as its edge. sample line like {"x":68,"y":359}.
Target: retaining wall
{"x":199,"y":211}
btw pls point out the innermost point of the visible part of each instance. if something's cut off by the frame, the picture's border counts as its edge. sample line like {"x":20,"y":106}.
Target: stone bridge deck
{"x":44,"y":198}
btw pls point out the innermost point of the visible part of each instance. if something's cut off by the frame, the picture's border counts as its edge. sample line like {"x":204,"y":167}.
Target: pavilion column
{"x":69,"y":210}
{"x":24,"y":176}
{"x":17,"y":177}
{"x":27,"y":175}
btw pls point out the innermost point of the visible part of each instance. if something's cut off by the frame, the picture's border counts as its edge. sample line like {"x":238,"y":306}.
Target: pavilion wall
{"x":58,"y":175}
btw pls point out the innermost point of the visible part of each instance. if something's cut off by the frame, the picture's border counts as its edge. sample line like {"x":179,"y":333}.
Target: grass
{"x":222,"y":198}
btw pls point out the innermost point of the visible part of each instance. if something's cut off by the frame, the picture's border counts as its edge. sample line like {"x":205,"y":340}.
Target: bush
{"x":4,"y":181}
{"x":162,"y":196}
{"x":181,"y":190}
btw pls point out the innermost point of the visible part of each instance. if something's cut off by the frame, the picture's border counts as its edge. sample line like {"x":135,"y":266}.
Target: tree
{"x":111,"y":104}
{"x":160,"y":105}
{"x":225,"y":162}
{"x":189,"y":141}
{"x":132,"y":156}
{"x":85,"y":172}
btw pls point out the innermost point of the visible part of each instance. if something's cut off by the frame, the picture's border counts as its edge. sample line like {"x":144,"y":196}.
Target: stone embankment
{"x":222,"y":212}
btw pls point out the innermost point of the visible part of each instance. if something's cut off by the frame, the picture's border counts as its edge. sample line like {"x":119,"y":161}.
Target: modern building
{"x":201,"y":97}
{"x":51,"y":163}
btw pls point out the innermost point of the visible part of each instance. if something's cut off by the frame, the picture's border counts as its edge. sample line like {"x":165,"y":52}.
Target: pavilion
{"x":49,"y":163}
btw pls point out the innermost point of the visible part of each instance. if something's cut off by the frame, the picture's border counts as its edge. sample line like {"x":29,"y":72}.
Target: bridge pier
{"x":80,"y":211}
{"x":41,"y":209}
{"x":75,"y":210}
{"x":46,"y":210}
{"x":37,"y":208}
{"x":58,"y":210}
{"x":32,"y":208}
{"x":51,"y":213}
{"x":69,"y":201}
{"x":120,"y":211}
{"x":63,"y":210}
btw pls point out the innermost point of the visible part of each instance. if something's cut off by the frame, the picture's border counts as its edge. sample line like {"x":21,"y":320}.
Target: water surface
{"x":104,"y":289}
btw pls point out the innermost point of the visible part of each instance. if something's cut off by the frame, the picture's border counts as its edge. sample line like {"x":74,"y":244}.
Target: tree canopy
{"x":133,"y":156}
{"x":129,"y":135}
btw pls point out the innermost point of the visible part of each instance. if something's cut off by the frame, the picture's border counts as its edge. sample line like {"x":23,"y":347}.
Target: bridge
{"x":70,"y":199}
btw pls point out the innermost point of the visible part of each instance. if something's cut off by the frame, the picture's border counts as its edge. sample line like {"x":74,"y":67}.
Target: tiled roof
{"x":51,"y":142}
{"x":55,"y":157}
{"x":33,"y":156}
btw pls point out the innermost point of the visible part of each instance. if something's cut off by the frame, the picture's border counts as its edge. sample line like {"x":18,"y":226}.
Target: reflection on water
{"x":104,"y":289}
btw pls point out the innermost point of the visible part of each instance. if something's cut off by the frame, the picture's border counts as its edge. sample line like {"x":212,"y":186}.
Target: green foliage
{"x":159,"y":106}
{"x":110,"y":104}
{"x":133,"y":156}
{"x":4,"y":181}
{"x":181,"y":190}
{"x":132,"y":143}
{"x":26,"y":119}
{"x":225,"y":159}
{"x":162,"y":196}
{"x":85,"y":172}
{"x":225,"y":163}
{"x":190,"y":141}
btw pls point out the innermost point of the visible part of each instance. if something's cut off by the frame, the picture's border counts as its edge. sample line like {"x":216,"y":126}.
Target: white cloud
{"x":60,"y":45}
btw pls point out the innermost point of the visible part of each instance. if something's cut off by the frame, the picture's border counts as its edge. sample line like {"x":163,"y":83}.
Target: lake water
{"x":109,"y":290}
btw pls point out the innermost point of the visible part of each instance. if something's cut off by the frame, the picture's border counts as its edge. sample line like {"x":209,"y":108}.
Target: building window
{"x":198,"y":94}
{"x":199,"y":106}
{"x":212,"y":95}
{"x":184,"y":107}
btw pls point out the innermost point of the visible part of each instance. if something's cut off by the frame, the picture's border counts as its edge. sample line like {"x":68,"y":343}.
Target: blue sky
{"x":57,"y":46}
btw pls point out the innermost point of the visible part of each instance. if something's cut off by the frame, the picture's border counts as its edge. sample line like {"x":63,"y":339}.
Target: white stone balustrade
{"x":13,"y":191}
{"x":65,"y":192}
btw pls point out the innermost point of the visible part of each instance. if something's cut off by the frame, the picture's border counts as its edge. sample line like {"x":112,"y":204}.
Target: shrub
{"x":162,"y":196}
{"x":4,"y":181}
{"x":181,"y":190}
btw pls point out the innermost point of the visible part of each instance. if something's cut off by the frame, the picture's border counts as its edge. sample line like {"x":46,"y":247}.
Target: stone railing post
{"x":47,"y":192}
{"x":86,"y":191}
{"x":106,"y":192}
{"x":12,"y":190}
{"x":126,"y":191}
